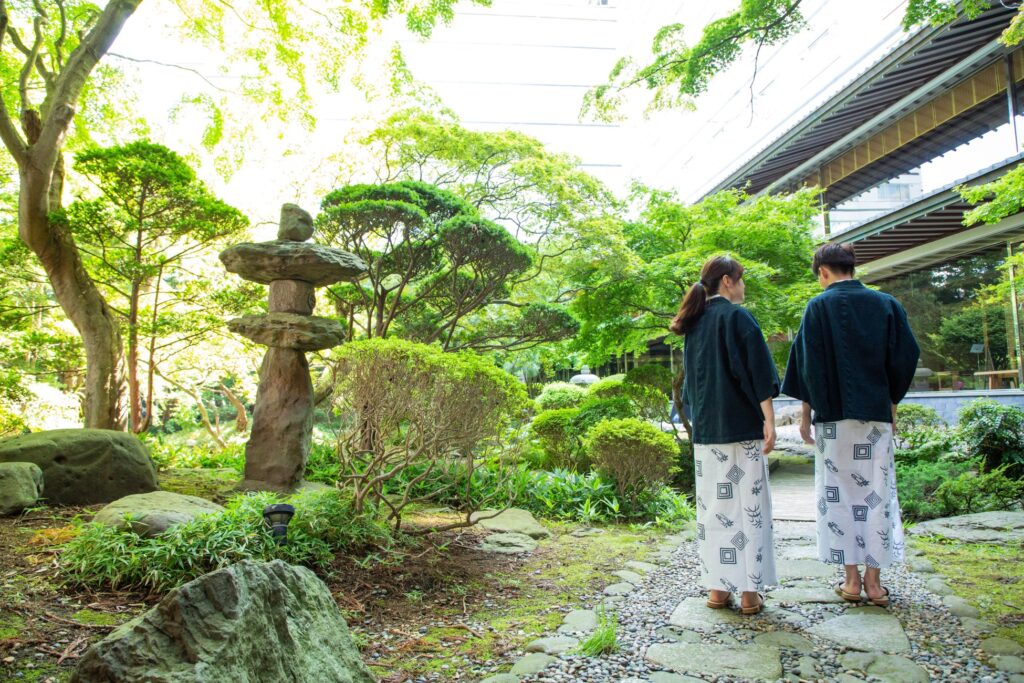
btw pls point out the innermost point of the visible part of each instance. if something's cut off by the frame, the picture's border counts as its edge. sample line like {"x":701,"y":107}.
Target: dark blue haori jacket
{"x":854,"y":356}
{"x":729,"y":371}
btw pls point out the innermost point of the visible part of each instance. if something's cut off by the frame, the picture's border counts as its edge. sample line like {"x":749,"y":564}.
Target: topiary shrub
{"x":609,"y":387}
{"x":559,"y":395}
{"x":553,"y":429}
{"x":993,"y":433}
{"x":594,"y":411}
{"x":651,"y":375}
{"x":638,"y":456}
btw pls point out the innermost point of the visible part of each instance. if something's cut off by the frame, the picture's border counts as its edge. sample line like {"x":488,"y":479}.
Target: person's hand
{"x":805,"y":431}
{"x":769,"y":436}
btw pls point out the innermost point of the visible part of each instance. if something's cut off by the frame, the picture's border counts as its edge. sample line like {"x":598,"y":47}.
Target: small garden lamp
{"x":277,"y":518}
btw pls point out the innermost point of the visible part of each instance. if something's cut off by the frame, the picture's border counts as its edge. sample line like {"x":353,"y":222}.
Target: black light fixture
{"x":277,"y":518}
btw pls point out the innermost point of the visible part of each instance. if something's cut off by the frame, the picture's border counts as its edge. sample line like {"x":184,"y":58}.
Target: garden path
{"x":666,"y":634}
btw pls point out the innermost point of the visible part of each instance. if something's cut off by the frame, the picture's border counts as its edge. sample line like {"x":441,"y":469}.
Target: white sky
{"x":525,"y":64}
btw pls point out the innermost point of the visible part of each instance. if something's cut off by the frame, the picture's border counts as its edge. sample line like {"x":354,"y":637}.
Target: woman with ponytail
{"x":729,"y":385}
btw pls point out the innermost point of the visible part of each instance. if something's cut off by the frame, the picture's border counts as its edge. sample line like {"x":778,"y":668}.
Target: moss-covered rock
{"x":153,"y":513}
{"x":21,"y":484}
{"x":85,"y":466}
{"x":252,"y":621}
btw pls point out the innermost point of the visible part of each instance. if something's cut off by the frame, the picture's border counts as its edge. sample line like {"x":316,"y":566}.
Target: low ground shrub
{"x":918,"y":483}
{"x":324,"y":524}
{"x":167,"y":454}
{"x":656,"y":376}
{"x":993,"y":434}
{"x":972,"y":492}
{"x":916,"y":425}
{"x":559,"y":494}
{"x":638,"y":456}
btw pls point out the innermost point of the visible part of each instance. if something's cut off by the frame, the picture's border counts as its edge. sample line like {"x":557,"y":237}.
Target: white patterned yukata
{"x":734,"y":517}
{"x":858,"y":510}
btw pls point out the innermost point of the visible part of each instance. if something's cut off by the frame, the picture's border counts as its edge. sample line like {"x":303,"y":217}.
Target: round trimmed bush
{"x":636,"y":454}
{"x":559,"y":395}
{"x":553,"y":430}
{"x":651,"y":375}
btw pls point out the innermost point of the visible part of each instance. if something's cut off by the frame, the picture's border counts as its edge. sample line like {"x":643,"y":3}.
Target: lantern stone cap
{"x":585,"y":377}
{"x":290,"y":331}
{"x":265,"y":262}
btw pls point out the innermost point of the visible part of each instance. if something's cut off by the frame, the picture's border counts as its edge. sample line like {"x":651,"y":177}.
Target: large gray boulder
{"x":85,"y":466}
{"x":251,"y":622}
{"x":1003,"y":526}
{"x":512,"y":520}
{"x":154,"y":513}
{"x":21,"y":485}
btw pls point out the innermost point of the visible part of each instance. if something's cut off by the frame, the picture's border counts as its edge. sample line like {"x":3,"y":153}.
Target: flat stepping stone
{"x":938,"y":586}
{"x":553,"y":645}
{"x":982,"y":527}
{"x":642,"y":567}
{"x":808,"y":668}
{"x":667,"y":677}
{"x":629,"y":577}
{"x":531,"y":664}
{"x":678,"y":635}
{"x":799,"y":552}
{"x":501,"y":678}
{"x":886,"y":668}
{"x":976,"y":626}
{"x":804,"y":595}
{"x":785,"y":639}
{"x":1009,"y":663}
{"x":619,"y":589}
{"x":921,"y":565}
{"x":512,"y":520}
{"x":693,"y":613}
{"x":960,"y":607}
{"x":508,"y":544}
{"x":579,"y":621}
{"x":864,"y":629}
{"x":1001,"y":646}
{"x":799,"y":569}
{"x":752,"y":662}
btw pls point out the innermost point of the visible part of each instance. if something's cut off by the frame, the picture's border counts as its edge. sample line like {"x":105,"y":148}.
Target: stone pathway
{"x":793,"y":491}
{"x":666,"y":634}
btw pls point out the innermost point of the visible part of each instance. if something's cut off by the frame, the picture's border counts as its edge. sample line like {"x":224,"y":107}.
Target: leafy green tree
{"x":433,"y":262}
{"x":151,"y":218}
{"x":629,"y":298}
{"x":52,"y":57}
{"x":679,"y":72}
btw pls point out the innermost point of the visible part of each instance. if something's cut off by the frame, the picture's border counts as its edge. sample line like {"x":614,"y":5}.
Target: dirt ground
{"x":438,"y":609}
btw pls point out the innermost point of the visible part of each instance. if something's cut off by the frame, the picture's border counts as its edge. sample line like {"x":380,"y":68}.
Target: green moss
{"x":534,"y":598}
{"x":94,"y":618}
{"x":11,"y":625}
{"x":990,"y":577}
{"x":211,"y":484}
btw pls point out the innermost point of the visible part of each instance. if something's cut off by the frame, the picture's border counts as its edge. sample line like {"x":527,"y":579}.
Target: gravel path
{"x":667,"y":635}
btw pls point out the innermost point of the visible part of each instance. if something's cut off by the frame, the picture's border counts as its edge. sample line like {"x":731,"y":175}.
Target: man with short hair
{"x":852,"y":361}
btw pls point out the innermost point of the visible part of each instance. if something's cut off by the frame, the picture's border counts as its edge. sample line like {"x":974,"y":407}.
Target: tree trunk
{"x":134,"y":393}
{"x":81,"y":301}
{"x":41,"y":171}
{"x":241,"y":420}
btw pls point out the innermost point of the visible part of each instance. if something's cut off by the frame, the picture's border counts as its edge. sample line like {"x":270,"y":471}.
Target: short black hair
{"x":840,"y":258}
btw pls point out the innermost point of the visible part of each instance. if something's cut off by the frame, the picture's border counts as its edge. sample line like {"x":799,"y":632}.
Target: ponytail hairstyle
{"x":696,"y":299}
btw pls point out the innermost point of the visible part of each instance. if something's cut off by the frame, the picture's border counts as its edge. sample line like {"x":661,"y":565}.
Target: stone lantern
{"x":585,"y":378}
{"x":282,"y":420}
